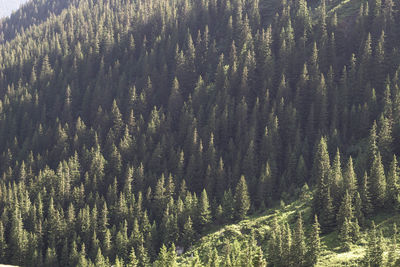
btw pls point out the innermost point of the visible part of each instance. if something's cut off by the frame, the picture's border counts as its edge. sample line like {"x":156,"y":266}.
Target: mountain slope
{"x":31,"y":13}
{"x":129,"y":128}
{"x":261,"y":226}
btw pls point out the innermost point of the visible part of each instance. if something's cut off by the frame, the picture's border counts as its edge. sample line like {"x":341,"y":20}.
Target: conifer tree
{"x":346,"y":210}
{"x":259,"y":259}
{"x":393,"y":185}
{"x":203,"y":213}
{"x":344,"y":235}
{"x":374,"y":254}
{"x":314,"y":246}
{"x":100,"y":261}
{"x":242,"y":199}
{"x":385,"y":140}
{"x":336,"y":178}
{"x":350,"y":178}
{"x":287,"y":245}
{"x":132,"y":259}
{"x":228,"y":205}
{"x":372,"y":144}
{"x":214,"y":259}
{"x":299,"y":244}
{"x":378,"y":182}
{"x":320,"y":172}
{"x":3,"y":244}
{"x":188,"y":233}
{"x":358,"y":208}
{"x":328,"y":213}
{"x":393,"y":257}
{"x":367,"y":207}
{"x":50,"y":258}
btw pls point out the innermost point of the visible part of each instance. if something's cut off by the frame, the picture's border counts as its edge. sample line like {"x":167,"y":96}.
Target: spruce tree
{"x":242,"y":199}
{"x":344,"y":235}
{"x":299,"y":244}
{"x":327,"y":214}
{"x":393,"y":185}
{"x":393,"y":257}
{"x":346,"y":210}
{"x":188,"y":233}
{"x":321,"y":167}
{"x":314,"y":246}
{"x":378,"y":182}
{"x":132,"y":259}
{"x":374,"y":254}
{"x":367,"y":207}
{"x":203,"y":212}
{"x":350,"y":178}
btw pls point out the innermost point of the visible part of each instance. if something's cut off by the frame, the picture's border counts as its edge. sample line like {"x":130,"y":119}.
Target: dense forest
{"x":130,"y":128}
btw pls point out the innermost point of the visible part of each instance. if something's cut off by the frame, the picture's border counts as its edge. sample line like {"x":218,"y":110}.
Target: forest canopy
{"x":130,"y":128}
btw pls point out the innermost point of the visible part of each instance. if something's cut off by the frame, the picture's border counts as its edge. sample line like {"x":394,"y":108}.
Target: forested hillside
{"x":131,"y":127}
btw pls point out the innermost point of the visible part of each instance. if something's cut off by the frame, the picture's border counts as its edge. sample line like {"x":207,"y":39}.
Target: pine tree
{"x":374,"y":254}
{"x":336,"y":178}
{"x":367,"y":207}
{"x":18,"y":238}
{"x":393,"y":258}
{"x":133,"y":262}
{"x":172,"y":256}
{"x":228,"y":206}
{"x":188,"y":233}
{"x":314,"y":246}
{"x":51,"y":258}
{"x":328,"y":213}
{"x":299,"y":243}
{"x":259,"y":259}
{"x":344,"y":235}
{"x":242,"y":199}
{"x":346,"y":210}
{"x":214,"y":259}
{"x":393,"y":185}
{"x":203,"y":213}
{"x":320,"y":173}
{"x":350,"y":178}
{"x":287,"y":245}
{"x":358,"y":208}
{"x":373,"y":147}
{"x":3,"y":244}
{"x":162,"y":257}
{"x":175,"y":99}
{"x":378,"y":182}
{"x":385,"y":140}
{"x":100,"y":260}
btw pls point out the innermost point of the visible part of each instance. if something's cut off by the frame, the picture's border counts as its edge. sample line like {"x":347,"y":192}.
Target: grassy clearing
{"x":345,"y":9}
{"x":331,"y":255}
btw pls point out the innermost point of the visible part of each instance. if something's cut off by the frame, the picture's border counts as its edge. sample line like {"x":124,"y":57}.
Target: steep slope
{"x":128,"y":127}
{"x":234,"y":240}
{"x":33,"y":12}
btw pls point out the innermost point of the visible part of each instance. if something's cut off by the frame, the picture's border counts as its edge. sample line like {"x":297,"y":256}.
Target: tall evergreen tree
{"x":203,"y":213}
{"x":242,"y":199}
{"x":314,"y":246}
{"x":320,"y":172}
{"x":393,"y":197}
{"x":378,"y":182}
{"x":299,"y":245}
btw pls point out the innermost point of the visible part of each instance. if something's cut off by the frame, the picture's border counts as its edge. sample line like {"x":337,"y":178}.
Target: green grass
{"x":331,"y":254}
{"x":345,"y":8}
